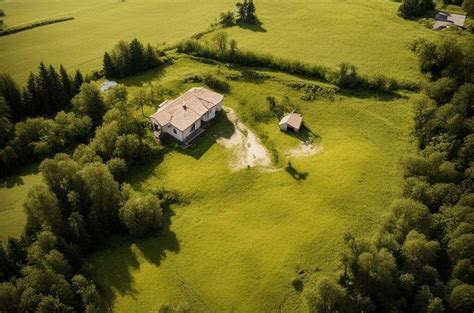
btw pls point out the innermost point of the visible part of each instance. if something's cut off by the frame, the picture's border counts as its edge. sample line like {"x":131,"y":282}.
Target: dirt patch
{"x":248,"y":151}
{"x":304,"y":149}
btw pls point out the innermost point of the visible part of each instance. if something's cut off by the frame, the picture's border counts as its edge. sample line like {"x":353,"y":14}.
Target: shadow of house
{"x":305,"y":134}
{"x":221,"y":126}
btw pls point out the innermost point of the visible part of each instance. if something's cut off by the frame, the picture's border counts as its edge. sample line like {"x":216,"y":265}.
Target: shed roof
{"x":293,"y":120}
{"x":444,"y":19}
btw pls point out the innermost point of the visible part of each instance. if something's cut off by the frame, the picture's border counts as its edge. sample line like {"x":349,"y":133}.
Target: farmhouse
{"x":182,"y":117}
{"x":291,"y":121}
{"x":444,"y":20}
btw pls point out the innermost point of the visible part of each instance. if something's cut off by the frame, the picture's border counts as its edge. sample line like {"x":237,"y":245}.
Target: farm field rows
{"x":245,"y":235}
{"x":368,"y":34}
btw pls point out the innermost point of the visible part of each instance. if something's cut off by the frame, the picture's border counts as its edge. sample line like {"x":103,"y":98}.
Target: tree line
{"x":82,"y":203}
{"x":421,"y":259}
{"x":345,"y":76}
{"x":130,"y":58}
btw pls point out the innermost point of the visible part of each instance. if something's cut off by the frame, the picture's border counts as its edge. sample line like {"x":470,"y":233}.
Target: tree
{"x":89,"y":102}
{"x":227,"y":18}
{"x":461,"y":299}
{"x":327,"y":297}
{"x":468,"y":6}
{"x":77,"y":82}
{"x":109,"y":67}
{"x":137,"y":57}
{"x":233,"y":46}
{"x":141,"y":215}
{"x":103,"y":197}
{"x":221,"y":42}
{"x":42,"y":208}
{"x":10,"y":91}
{"x":66,"y":82}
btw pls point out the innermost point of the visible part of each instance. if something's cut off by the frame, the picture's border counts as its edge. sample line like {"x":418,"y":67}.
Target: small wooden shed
{"x":291,"y":121}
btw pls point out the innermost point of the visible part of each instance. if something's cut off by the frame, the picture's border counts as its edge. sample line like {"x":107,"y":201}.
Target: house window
{"x":193,"y":127}
{"x":174,"y":131}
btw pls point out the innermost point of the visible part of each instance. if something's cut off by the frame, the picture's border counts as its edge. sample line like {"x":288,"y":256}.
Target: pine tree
{"x":109,"y":67}
{"x":77,"y":82}
{"x":31,"y":96}
{"x":137,"y":57}
{"x":11,"y":92}
{"x":251,"y":18}
{"x":151,"y":57}
{"x":44,"y":86}
{"x":56,"y":91}
{"x":241,"y":11}
{"x":66,"y":82}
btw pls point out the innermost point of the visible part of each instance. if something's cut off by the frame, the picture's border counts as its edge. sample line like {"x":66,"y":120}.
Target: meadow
{"x":368,"y":34}
{"x":246,"y":235}
{"x":13,"y":191}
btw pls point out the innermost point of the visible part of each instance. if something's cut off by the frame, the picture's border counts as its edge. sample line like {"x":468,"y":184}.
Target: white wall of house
{"x":187,"y":132}
{"x":284,"y":126}
{"x":219,"y":105}
{"x":173,"y":131}
{"x":210,"y":114}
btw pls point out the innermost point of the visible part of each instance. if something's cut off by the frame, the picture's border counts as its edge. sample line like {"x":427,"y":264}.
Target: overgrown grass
{"x":245,"y":235}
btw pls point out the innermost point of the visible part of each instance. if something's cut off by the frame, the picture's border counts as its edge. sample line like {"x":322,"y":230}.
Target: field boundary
{"x":23,"y":27}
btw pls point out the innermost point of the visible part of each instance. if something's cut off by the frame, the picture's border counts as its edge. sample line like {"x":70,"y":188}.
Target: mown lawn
{"x":368,"y":34}
{"x":246,"y":234}
{"x":13,"y":192}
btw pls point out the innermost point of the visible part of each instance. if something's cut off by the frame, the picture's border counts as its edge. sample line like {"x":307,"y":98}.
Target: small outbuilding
{"x":291,"y":121}
{"x":444,"y":20}
{"x":107,"y":85}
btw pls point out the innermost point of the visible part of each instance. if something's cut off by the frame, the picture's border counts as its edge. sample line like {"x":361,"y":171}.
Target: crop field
{"x":245,"y":235}
{"x":13,"y":191}
{"x":368,"y":34}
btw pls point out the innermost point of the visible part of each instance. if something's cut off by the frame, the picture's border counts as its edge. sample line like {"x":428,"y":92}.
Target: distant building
{"x":291,"y":121}
{"x":107,"y":85}
{"x":182,"y":117}
{"x":444,"y":20}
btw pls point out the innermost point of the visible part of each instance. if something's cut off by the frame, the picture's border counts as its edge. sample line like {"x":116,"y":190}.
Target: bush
{"x":227,"y":18}
{"x":141,"y":215}
{"x":441,"y":90}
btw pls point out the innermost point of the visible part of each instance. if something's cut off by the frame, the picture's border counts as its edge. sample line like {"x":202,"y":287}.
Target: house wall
{"x":284,"y":126}
{"x":219,"y":105}
{"x":187,"y":132}
{"x":174,"y":132}
{"x":210,"y":114}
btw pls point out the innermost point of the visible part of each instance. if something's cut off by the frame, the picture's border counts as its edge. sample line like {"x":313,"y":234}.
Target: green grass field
{"x":368,"y":34}
{"x":13,"y":191}
{"x":246,"y":234}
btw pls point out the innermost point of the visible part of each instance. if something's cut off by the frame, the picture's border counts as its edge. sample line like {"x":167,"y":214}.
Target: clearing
{"x":246,"y":234}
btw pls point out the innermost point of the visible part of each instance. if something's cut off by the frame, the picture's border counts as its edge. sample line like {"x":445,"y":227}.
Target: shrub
{"x":227,"y":18}
{"x":141,"y":215}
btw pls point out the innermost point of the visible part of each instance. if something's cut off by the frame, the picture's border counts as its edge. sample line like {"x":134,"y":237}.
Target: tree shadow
{"x":119,"y":259}
{"x":17,"y":179}
{"x":139,"y":79}
{"x":297,"y":175}
{"x":219,"y":127}
{"x":379,"y":96}
{"x":155,"y":247}
{"x":257,"y":27}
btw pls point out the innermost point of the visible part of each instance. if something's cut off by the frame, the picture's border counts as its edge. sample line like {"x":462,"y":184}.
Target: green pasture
{"x":368,"y":34}
{"x":245,"y":235}
{"x":13,"y":192}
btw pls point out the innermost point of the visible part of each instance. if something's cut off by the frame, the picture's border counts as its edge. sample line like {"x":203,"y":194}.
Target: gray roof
{"x":445,"y":19}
